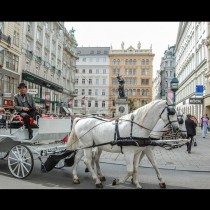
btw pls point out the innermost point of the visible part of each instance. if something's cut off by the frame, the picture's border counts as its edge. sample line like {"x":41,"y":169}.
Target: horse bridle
{"x":170,"y":111}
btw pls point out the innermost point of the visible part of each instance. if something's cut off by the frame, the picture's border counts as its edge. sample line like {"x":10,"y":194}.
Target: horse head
{"x":167,"y":119}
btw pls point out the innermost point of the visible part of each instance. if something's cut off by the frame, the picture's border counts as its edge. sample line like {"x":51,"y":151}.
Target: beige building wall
{"x":136,"y":67}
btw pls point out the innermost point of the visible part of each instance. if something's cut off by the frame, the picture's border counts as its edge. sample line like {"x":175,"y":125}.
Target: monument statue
{"x":139,"y":45}
{"x":122,"y":45}
{"x":121,"y":86}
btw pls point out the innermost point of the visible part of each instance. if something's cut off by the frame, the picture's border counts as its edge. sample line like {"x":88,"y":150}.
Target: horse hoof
{"x":114,"y":182}
{"x":76,"y":181}
{"x":132,"y":180}
{"x":100,"y":185}
{"x":162,"y":185}
{"x":102,"y":179}
{"x":86,"y":170}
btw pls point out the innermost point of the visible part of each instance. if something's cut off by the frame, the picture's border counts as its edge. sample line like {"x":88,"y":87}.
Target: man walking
{"x":191,"y":131}
{"x":25,"y":105}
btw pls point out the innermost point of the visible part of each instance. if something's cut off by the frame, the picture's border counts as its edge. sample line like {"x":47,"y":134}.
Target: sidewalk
{"x":175,"y":159}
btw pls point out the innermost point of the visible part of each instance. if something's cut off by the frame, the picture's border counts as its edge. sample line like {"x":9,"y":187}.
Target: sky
{"x":104,"y":34}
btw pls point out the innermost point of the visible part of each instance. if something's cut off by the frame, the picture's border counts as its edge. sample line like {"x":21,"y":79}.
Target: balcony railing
{"x":5,"y":38}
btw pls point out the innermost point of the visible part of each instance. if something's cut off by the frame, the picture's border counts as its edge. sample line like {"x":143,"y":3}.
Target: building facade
{"x":167,"y":70}
{"x":156,"y":90}
{"x":44,"y":46}
{"x":10,"y":62}
{"x":92,"y":81}
{"x":191,"y":64}
{"x":136,"y":67}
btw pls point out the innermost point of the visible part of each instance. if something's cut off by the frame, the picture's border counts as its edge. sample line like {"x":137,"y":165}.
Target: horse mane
{"x":141,"y":112}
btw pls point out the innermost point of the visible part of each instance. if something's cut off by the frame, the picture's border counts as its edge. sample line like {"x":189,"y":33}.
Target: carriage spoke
{"x":22,"y":169}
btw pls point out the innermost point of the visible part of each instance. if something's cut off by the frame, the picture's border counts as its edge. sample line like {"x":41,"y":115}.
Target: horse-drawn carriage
{"x":20,"y":151}
{"x":133,"y":134}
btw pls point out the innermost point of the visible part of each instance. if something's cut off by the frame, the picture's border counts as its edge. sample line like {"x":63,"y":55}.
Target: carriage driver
{"x":25,"y":105}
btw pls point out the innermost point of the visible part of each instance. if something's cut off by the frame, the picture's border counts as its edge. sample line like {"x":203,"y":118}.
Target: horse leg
{"x":98,"y":169}
{"x":136,"y":169}
{"x":87,"y":161}
{"x":78,"y":157}
{"x":150,"y":156}
{"x":129,"y":164}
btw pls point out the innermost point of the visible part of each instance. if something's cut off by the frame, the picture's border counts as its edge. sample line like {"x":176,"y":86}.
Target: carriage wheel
{"x":20,"y":161}
{"x":60,"y":164}
{"x":3,"y":155}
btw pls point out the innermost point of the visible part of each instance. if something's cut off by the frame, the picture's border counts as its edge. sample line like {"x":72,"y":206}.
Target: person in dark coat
{"x":191,"y":131}
{"x":25,"y":105}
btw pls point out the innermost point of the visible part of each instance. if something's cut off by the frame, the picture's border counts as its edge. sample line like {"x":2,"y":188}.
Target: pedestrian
{"x":191,"y":131}
{"x":204,"y":125}
{"x":25,"y":106}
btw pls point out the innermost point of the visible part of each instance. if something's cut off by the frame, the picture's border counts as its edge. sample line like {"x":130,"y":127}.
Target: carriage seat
{"x":18,"y":122}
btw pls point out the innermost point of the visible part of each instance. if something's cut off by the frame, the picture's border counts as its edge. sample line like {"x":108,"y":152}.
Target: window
{"x":83,"y":91}
{"x":89,"y":92}
{"x":28,"y":45}
{"x":16,"y":38}
{"x":97,"y":81}
{"x":96,"y":103}
{"x":38,"y":35}
{"x":103,"y":92}
{"x":76,"y":91}
{"x":89,"y":103}
{"x":91,"y":52}
{"x":103,"y":104}
{"x":83,"y":81}
{"x":104,"y":60}
{"x":38,"y":51}
{"x":104,"y":71}
{"x":29,"y":27}
{"x":96,"y":92}
{"x":90,"y":81}
{"x":97,"y":71}
{"x":83,"y":71}
{"x":47,"y":41}
{"x":98,"y":52}
{"x":90,"y":71}
{"x":143,"y":62}
{"x":75,"y":103}
{"x":104,"y":81}
{"x":76,"y":81}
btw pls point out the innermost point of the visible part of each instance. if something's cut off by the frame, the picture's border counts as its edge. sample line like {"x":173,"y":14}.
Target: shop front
{"x":46,"y":93}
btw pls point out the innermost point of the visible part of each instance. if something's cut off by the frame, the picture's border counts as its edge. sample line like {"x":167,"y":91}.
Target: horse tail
{"x":73,"y":141}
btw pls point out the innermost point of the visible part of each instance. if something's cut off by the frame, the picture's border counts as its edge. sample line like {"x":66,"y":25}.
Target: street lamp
{"x":174,"y":86}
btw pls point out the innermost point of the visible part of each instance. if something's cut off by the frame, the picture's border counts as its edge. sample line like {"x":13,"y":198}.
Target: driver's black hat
{"x":22,"y":84}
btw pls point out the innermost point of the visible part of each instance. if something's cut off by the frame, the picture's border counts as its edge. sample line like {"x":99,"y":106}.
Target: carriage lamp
{"x":174,"y":86}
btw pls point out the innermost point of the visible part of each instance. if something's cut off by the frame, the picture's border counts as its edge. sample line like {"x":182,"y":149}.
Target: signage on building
{"x":33,"y":91}
{"x":195,"y":100}
{"x":199,"y":90}
{"x":7,"y":102}
{"x":7,"y":95}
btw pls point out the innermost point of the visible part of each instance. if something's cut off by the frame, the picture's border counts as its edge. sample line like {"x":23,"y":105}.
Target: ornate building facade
{"x":136,"y":67}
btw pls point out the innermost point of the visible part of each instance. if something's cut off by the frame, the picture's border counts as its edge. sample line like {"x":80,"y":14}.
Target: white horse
{"x":150,"y":121}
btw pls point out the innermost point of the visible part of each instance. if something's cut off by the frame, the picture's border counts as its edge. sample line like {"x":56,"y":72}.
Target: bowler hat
{"x":22,"y":85}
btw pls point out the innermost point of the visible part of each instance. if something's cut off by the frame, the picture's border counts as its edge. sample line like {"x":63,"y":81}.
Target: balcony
{"x":1,"y":58}
{"x":5,"y":38}
{"x":39,"y":59}
{"x":73,"y":94}
{"x":29,"y":54}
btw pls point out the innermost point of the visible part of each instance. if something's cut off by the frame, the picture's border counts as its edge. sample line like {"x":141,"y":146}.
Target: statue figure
{"x":121,"y":86}
{"x":122,"y":45}
{"x":139,"y":45}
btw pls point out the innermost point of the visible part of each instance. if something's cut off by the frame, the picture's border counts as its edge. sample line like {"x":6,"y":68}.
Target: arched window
{"x":118,"y":62}
{"x":130,"y":62}
{"x":143,"y":62}
{"x":147,"y":62}
{"x":134,"y":62}
{"x":114,"y":61}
